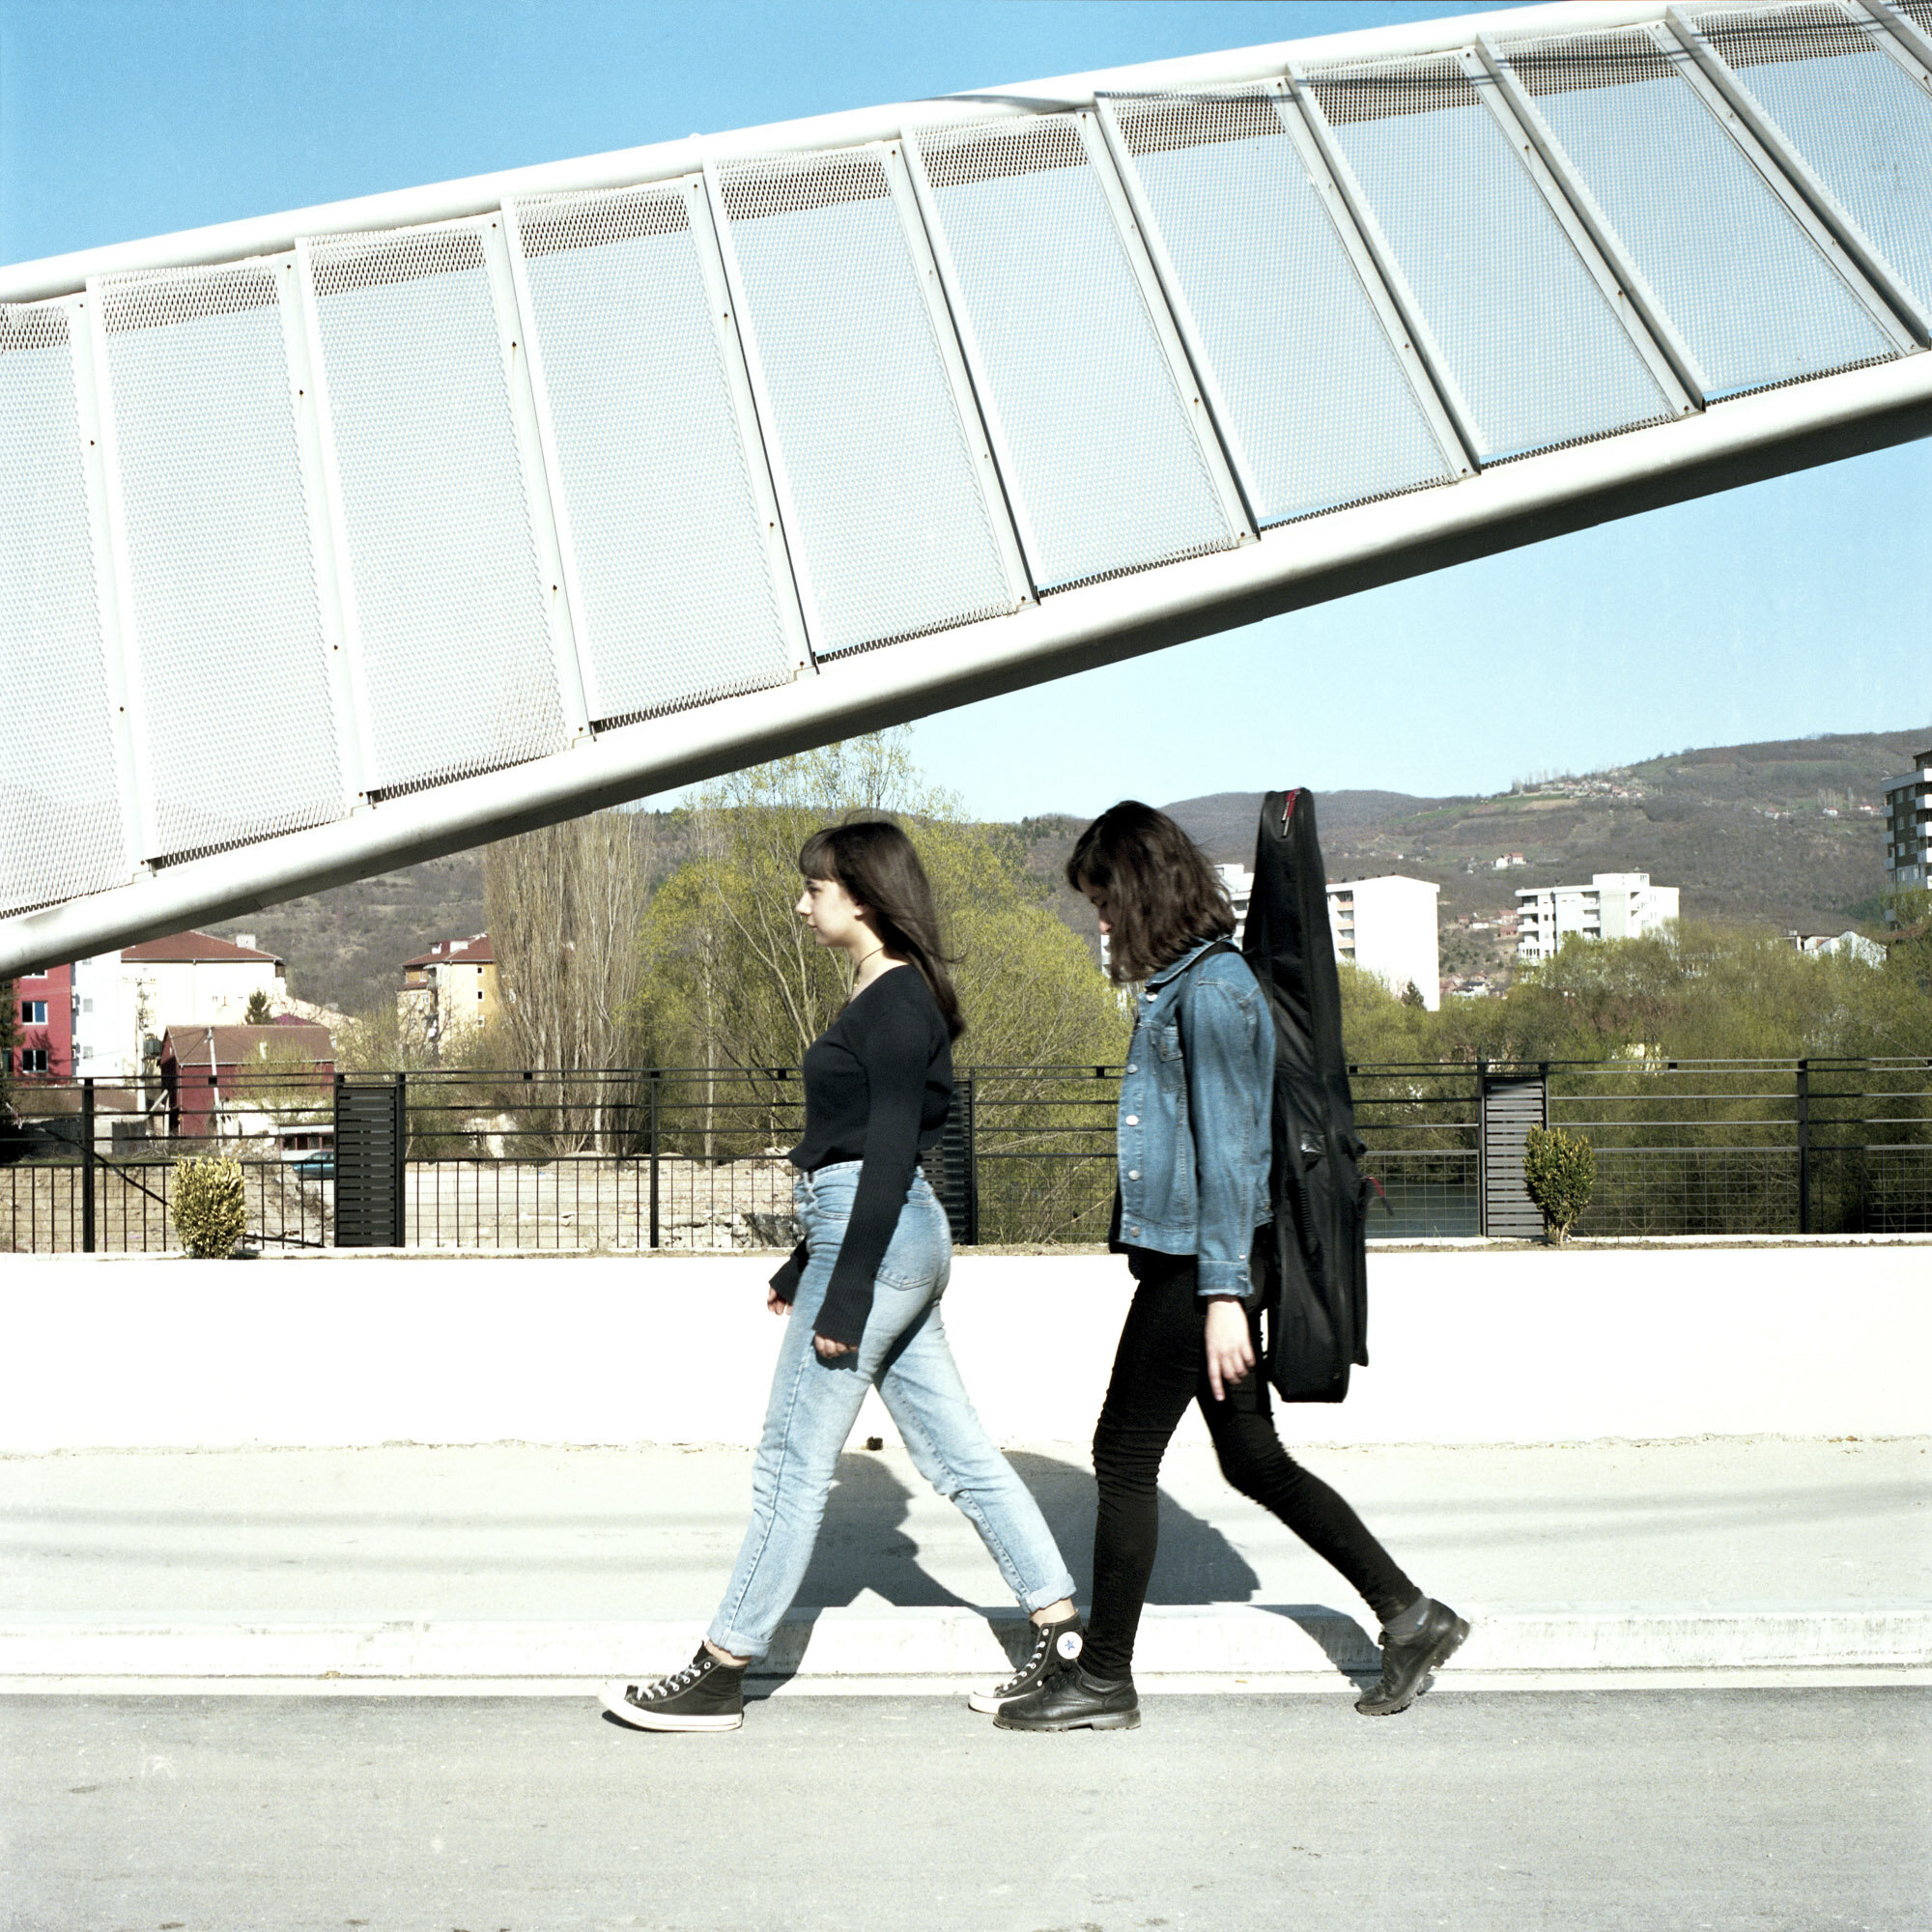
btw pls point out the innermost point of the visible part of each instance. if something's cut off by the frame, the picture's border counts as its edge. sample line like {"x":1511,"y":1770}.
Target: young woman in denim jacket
{"x":1194,"y":1158}
{"x":863,"y":1293}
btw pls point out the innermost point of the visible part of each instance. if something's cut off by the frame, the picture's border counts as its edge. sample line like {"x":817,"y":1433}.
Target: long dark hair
{"x":874,"y":861}
{"x":1166,"y":896}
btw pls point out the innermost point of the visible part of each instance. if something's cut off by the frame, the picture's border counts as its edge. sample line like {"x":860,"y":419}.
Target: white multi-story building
{"x":1613,"y":905}
{"x":1908,"y":825}
{"x":122,"y":1000}
{"x":1387,"y":926}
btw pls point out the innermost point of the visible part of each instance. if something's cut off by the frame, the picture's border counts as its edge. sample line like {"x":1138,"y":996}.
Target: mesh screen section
{"x":892,"y":525}
{"x":59,"y":809}
{"x":240,"y":727}
{"x":1920,"y":10}
{"x":1316,"y":396}
{"x":670,"y":551}
{"x":1099,"y":436}
{"x":1852,"y":111}
{"x":1752,"y":296}
{"x":451,"y":607}
{"x":1528,"y":338}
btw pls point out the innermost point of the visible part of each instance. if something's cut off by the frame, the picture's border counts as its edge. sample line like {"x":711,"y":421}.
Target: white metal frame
{"x":1907,"y":31}
{"x":1782,"y":186}
{"x":515,"y":347}
{"x":1180,"y":371}
{"x":1444,"y":425}
{"x":1652,"y":319}
{"x":1207,"y":384}
{"x":126,"y":646}
{"x":135,"y":811}
{"x":359,"y":725}
{"x":951,"y":327}
{"x":303,"y":403}
{"x":1415,"y":328}
{"x":1684,"y":396}
{"x":1825,"y":204}
{"x":727,"y":321}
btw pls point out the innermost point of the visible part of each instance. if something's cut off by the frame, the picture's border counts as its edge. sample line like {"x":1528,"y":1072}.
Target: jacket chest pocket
{"x":1166,"y":1037}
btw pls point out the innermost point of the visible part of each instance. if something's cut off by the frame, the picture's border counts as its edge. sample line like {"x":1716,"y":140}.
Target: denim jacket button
{"x":1133,"y":1174}
{"x":1131,"y":1067}
{"x":1133,"y":1120}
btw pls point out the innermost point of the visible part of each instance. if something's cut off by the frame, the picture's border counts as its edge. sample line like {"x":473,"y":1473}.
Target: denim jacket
{"x":1195,"y":1136}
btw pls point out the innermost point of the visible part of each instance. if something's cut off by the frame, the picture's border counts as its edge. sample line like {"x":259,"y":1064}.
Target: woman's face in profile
{"x":828,"y":909}
{"x":1102,"y":902}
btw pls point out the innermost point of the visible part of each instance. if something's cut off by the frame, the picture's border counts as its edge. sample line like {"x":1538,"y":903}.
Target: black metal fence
{"x":684,"y":1159}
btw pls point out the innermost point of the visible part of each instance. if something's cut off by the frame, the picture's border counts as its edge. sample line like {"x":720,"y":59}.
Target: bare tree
{"x":565,"y":907}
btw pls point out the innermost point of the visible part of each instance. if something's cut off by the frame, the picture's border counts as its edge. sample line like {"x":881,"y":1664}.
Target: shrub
{"x":210,"y":1208}
{"x":1559,"y":1170}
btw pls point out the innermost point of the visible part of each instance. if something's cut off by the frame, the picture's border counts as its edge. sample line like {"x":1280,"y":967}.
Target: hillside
{"x":1785,"y":834}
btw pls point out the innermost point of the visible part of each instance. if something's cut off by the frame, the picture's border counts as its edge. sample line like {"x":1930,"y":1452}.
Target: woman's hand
{"x":829,"y":1350}
{"x":777,"y":1302}
{"x":1231,"y":1354}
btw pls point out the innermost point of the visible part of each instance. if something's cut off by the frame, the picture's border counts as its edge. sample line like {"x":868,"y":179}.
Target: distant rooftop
{"x":183,"y":947}
{"x":475,"y":950}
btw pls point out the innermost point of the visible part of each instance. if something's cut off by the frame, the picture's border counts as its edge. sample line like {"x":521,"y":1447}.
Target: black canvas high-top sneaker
{"x":1055,"y":1646}
{"x":705,"y":1696}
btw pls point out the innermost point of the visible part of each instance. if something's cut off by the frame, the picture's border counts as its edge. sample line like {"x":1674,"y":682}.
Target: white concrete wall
{"x":1476,"y":1344}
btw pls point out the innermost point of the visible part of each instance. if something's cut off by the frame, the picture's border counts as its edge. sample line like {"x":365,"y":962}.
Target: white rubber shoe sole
{"x":640,"y":1718}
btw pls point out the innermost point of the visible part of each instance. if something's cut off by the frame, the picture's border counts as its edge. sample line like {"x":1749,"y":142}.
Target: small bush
{"x":1559,"y":1170}
{"x":210,"y":1208}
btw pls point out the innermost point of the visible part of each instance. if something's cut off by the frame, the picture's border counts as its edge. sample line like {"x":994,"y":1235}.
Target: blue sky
{"x":1793,"y":606}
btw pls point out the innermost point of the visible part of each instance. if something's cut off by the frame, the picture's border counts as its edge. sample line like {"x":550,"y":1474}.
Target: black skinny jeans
{"x":1160,"y":1367}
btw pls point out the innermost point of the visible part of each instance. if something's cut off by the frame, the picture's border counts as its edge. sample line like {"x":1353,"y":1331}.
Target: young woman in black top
{"x":863,"y":1293}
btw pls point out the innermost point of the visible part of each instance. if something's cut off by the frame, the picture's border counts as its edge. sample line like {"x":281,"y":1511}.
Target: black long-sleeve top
{"x":878,"y":1084}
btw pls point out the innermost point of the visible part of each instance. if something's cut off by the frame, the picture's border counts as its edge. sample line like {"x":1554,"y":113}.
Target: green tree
{"x":259,"y":1013}
{"x":735,"y":986}
{"x":9,"y":1037}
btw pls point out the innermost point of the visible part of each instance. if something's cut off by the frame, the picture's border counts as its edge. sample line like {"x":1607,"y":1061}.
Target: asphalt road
{"x":1776,"y":1810}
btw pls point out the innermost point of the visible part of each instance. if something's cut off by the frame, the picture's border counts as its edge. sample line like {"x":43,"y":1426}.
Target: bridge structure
{"x":337,"y":539}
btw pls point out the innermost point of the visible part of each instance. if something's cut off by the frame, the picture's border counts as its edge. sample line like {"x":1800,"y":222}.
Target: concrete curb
{"x":1199,"y":1647}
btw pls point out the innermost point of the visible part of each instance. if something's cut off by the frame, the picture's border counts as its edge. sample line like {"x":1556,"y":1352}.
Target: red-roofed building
{"x":246,"y":1079}
{"x":449,"y":989}
{"x":190,"y":979}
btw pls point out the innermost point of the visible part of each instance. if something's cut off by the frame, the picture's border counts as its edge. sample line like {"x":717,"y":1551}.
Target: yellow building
{"x":450,"y":989}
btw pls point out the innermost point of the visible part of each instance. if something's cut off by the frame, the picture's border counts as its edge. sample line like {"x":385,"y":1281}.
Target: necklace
{"x":859,"y":966}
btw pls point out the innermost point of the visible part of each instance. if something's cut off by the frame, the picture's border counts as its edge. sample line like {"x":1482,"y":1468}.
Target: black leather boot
{"x":1406,"y":1661}
{"x":1073,"y":1701}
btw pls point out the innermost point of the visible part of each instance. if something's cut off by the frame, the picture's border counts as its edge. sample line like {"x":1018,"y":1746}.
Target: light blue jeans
{"x":904,"y":1355}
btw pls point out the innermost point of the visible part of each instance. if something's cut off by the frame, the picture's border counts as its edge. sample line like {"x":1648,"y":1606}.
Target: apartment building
{"x":1613,"y":905}
{"x":123,"y":1000}
{"x":451,"y":989}
{"x":42,"y":1023}
{"x":1387,"y":926}
{"x":1908,"y":825}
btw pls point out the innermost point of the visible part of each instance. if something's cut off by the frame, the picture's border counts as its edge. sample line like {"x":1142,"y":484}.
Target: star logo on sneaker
{"x":1067,"y":1644}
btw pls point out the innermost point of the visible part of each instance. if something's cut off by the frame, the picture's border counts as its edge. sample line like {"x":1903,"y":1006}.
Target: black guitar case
{"x":1314,"y":1259}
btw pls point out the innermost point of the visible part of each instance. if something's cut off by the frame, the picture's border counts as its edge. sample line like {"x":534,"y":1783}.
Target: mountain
{"x":1784,"y":833}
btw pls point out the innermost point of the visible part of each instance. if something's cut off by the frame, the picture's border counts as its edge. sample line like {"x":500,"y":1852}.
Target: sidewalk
{"x":514,"y":1568}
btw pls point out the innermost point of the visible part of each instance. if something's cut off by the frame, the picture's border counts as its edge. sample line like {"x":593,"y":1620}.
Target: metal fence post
{"x":654,"y":1091}
{"x":1803,"y":1147}
{"x":87,"y":1167}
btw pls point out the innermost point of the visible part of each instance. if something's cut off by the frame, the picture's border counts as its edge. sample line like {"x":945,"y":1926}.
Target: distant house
{"x":1613,"y":905}
{"x":449,"y":989}
{"x":246,"y":1080}
{"x":1852,"y":945}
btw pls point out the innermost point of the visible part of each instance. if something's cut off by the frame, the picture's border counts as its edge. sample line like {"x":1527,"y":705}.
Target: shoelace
{"x":670,"y":1687}
{"x":1032,"y":1664}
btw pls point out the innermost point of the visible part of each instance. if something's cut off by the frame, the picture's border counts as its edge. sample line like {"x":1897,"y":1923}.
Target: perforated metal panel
{"x":1860,"y":122}
{"x":1525,"y":334}
{"x":1695,"y":214}
{"x":449,"y":610}
{"x":679,"y":602}
{"x":1317,"y":402}
{"x":890,"y":526}
{"x":1920,"y":10}
{"x":60,"y":810}
{"x":1097,"y":441}
{"x":225,"y":623}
